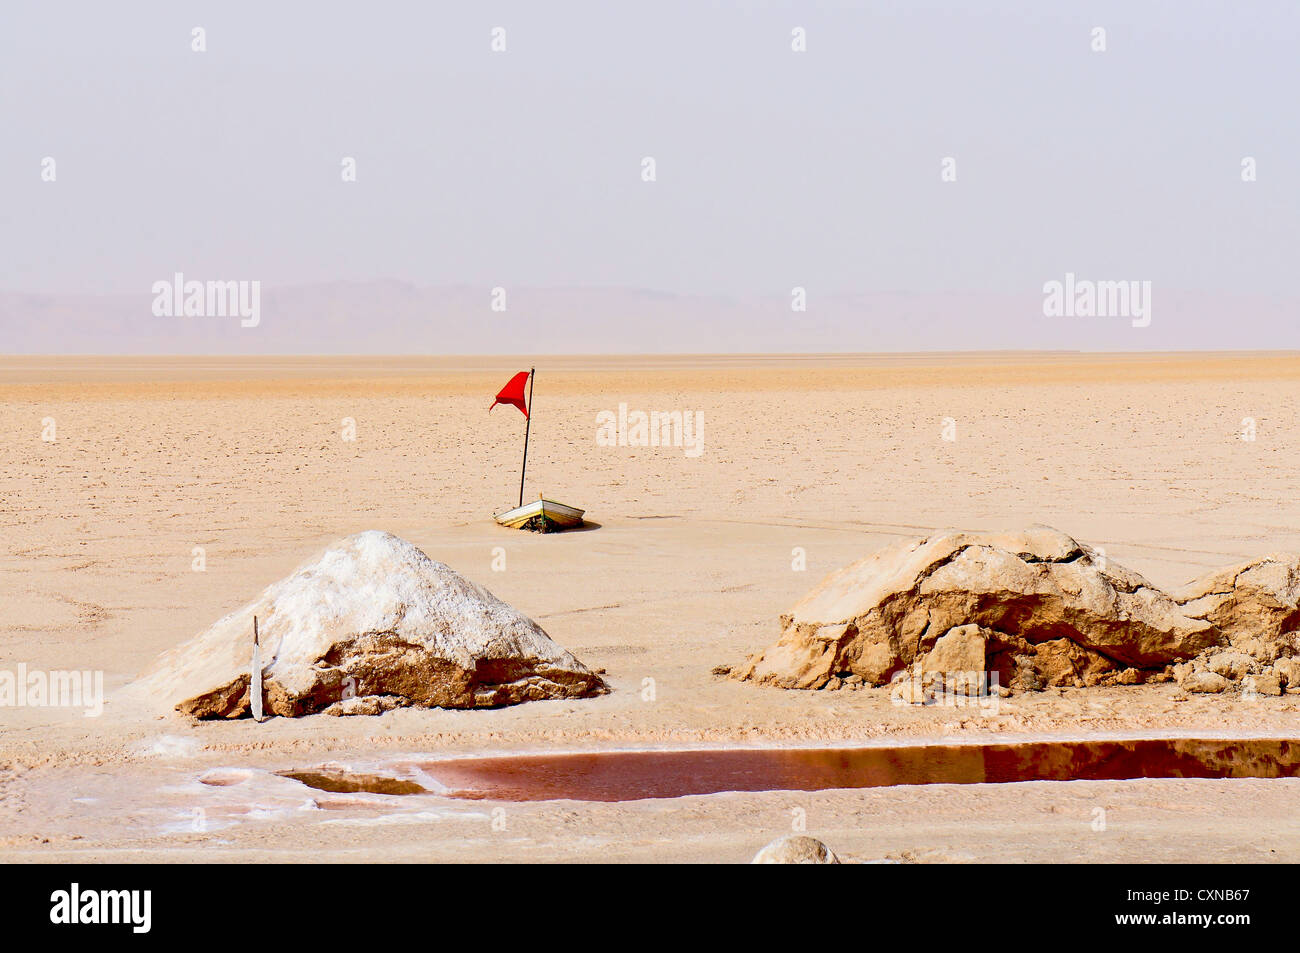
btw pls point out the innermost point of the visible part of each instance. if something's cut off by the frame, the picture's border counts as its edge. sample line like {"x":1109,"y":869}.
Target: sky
{"x":774,"y":168}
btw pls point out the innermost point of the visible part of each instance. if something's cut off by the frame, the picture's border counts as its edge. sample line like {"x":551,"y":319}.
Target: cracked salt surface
{"x":225,"y":797}
{"x":418,"y":817}
{"x":168,"y":746}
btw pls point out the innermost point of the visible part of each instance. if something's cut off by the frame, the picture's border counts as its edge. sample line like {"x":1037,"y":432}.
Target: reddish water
{"x":630,"y":775}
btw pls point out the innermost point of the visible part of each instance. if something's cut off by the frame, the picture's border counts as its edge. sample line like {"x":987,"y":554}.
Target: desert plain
{"x":239,"y":467}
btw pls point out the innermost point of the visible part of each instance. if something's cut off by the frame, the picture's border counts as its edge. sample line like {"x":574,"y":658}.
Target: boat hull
{"x":542,"y":516}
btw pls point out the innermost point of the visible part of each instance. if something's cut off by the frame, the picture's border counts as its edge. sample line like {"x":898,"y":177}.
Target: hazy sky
{"x":774,"y":168}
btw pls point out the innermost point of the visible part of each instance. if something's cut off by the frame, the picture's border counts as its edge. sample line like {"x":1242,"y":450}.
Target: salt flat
{"x":812,"y":460}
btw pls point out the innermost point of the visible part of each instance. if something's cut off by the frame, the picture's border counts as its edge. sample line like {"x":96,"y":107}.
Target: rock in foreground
{"x":372,"y":624}
{"x":1036,"y":607}
{"x":795,"y":850}
{"x":1256,"y":604}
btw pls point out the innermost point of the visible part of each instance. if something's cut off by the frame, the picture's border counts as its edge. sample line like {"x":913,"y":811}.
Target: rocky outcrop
{"x":370,"y":625}
{"x":1041,"y":609}
{"x":1256,"y":605}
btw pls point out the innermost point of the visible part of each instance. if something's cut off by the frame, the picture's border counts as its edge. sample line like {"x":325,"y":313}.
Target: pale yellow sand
{"x":689,"y":568}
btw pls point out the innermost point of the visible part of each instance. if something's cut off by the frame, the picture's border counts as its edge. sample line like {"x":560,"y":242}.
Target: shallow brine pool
{"x":633,"y":775}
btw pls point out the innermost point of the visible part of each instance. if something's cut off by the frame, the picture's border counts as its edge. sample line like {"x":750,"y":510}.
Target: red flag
{"x":513,"y":393}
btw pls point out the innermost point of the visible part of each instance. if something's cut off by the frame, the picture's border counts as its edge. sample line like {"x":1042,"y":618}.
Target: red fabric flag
{"x":513,"y":393}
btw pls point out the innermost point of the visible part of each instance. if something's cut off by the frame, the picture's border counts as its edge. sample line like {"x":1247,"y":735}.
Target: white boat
{"x":542,"y":516}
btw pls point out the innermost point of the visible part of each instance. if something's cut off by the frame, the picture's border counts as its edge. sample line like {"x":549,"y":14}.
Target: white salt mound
{"x":373,"y":618}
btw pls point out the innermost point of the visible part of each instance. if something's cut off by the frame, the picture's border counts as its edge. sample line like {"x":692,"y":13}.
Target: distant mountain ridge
{"x":397,"y":317}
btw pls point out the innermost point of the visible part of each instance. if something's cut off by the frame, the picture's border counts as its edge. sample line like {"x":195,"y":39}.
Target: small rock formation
{"x":371,"y":624}
{"x":1203,"y":682}
{"x":1288,"y":672}
{"x":1256,"y":605}
{"x":963,"y":648}
{"x":1035,"y":607}
{"x":1267,"y":683}
{"x":795,"y":850}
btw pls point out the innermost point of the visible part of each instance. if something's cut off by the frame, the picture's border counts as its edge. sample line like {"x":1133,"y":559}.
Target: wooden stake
{"x":255,"y":681}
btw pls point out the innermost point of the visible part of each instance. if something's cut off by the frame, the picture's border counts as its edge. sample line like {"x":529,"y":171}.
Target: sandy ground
{"x":688,"y":568}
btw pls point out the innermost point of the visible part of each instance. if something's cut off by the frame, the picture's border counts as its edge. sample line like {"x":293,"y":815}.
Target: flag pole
{"x":532,"y":372}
